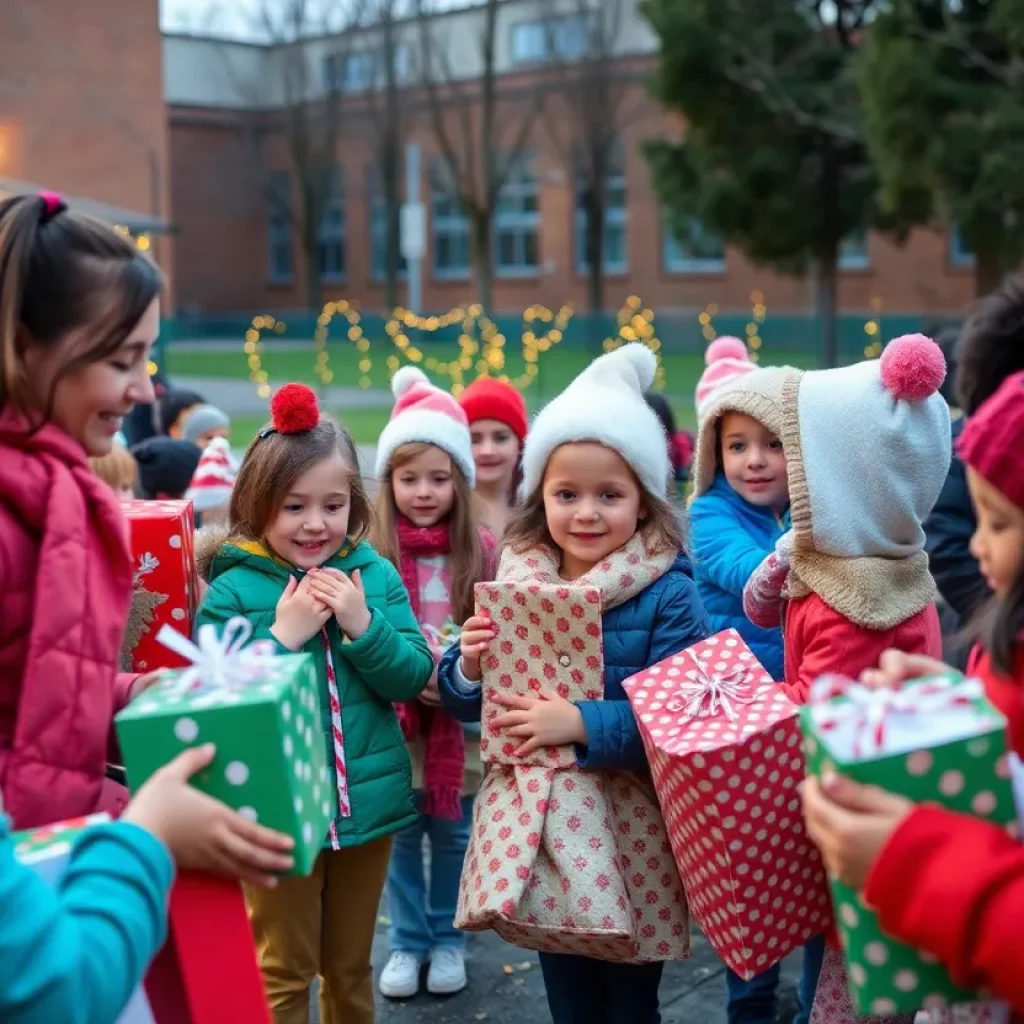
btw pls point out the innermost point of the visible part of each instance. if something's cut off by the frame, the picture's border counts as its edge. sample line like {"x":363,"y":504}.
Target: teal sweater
{"x":75,"y":954}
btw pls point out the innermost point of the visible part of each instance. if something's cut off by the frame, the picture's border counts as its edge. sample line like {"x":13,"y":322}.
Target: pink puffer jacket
{"x":65,"y":589}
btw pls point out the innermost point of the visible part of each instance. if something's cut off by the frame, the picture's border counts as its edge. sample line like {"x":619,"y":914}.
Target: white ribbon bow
{"x":220,"y":662}
{"x":709,"y":693}
{"x":871,"y":711}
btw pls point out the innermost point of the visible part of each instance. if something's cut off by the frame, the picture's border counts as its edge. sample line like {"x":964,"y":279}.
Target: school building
{"x":186,"y":141}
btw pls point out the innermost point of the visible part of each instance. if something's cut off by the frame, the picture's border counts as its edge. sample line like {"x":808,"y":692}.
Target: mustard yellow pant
{"x":322,"y":925}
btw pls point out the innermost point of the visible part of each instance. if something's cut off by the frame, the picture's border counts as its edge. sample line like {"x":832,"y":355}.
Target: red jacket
{"x":954,"y":885}
{"x":65,"y":590}
{"x":819,"y":640}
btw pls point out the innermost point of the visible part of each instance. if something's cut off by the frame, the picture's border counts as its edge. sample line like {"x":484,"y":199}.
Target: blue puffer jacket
{"x":658,"y":622}
{"x":729,"y":538}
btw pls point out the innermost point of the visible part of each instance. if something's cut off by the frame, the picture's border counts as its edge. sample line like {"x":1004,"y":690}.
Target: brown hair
{"x":272,"y":464}
{"x":467,"y":555}
{"x":61,"y":272}
{"x":117,"y":468}
{"x":528,"y":526}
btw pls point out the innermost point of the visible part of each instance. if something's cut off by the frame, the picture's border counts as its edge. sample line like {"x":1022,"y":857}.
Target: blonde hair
{"x":272,"y":464}
{"x":467,"y":556}
{"x":117,"y":468}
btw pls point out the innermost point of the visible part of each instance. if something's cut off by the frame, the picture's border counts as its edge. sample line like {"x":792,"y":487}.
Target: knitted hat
{"x":203,"y":419}
{"x":727,"y":359}
{"x":605,"y":403}
{"x":992,"y":442}
{"x":867,"y":451}
{"x":425,"y":413}
{"x":214,"y":477}
{"x":166,"y":465}
{"x":490,"y":399}
{"x":757,"y":394}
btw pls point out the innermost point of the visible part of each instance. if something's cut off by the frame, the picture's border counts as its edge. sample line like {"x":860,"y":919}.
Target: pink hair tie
{"x":53,"y":204}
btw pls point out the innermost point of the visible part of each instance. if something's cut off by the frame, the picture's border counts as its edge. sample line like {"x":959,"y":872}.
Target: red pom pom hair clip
{"x":52,"y":205}
{"x":293,"y":410}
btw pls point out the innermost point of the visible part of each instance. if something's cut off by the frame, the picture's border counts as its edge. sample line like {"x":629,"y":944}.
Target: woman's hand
{"x":477,"y":634}
{"x":850,"y":823}
{"x":140,"y":684}
{"x":344,"y":597}
{"x":300,"y":615}
{"x":546,"y":720}
{"x":202,"y":833}
{"x":895,"y":667}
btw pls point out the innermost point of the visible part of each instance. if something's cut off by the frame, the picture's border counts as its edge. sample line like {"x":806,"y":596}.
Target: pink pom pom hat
{"x":726,"y":360}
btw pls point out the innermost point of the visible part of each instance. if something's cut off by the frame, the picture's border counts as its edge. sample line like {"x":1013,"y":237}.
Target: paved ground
{"x":506,"y":988}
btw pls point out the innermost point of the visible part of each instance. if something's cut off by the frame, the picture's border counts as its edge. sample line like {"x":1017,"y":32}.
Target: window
{"x":614,"y":251}
{"x":403,"y":62}
{"x":351,"y":72}
{"x":450,"y":227}
{"x":699,"y":253}
{"x":516,"y":221}
{"x":281,"y":267}
{"x":960,"y":254}
{"x":853,"y":252}
{"x":330,"y":242}
{"x":559,"y":38}
{"x":379,"y":230}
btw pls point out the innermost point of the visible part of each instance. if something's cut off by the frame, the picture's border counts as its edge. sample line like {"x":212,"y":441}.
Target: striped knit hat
{"x":214,"y":477}
{"x":427,"y":414}
{"x":727,"y":359}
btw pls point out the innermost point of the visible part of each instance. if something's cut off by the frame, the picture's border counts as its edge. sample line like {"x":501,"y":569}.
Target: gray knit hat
{"x":203,"y":419}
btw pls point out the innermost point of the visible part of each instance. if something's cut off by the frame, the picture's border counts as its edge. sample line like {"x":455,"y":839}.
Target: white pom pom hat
{"x":429,"y":415}
{"x":606,"y":404}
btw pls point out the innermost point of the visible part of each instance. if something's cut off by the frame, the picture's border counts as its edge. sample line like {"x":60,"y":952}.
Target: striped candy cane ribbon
{"x":337,"y":741}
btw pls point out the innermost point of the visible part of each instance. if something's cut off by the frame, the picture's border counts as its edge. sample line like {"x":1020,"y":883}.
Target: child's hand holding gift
{"x":477,"y":633}
{"x":344,"y":596}
{"x":546,"y":720}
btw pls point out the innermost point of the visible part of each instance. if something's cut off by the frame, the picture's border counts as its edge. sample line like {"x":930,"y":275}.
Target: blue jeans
{"x":753,"y":1002}
{"x":422,"y":916}
{"x":582,"y":990}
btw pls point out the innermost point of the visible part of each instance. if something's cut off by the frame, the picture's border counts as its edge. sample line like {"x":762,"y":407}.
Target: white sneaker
{"x":400,"y":978}
{"x":447,"y":974}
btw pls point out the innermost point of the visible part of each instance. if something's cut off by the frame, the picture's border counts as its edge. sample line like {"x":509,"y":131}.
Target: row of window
{"x":516,"y":232}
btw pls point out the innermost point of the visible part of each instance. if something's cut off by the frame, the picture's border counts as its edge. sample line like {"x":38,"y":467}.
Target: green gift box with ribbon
{"x":261,"y":710}
{"x":936,"y":739}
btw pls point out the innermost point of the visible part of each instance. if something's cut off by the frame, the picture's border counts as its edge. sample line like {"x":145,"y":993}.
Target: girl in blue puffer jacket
{"x":740,"y":507}
{"x":596,"y":473}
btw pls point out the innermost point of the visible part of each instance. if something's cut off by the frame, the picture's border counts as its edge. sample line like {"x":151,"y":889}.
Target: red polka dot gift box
{"x":935,"y":739}
{"x":560,"y":859}
{"x":723,"y":742}
{"x":161,"y":534}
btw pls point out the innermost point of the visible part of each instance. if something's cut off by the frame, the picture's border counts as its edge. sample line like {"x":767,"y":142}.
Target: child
{"x":202,"y":423}
{"x":426,"y":528}
{"x":741,"y":502}
{"x":175,"y":405}
{"x":497,"y":425}
{"x":946,"y":883}
{"x":680,"y":445}
{"x":166,"y":466}
{"x":296,"y":565}
{"x":596,"y":476}
{"x":117,"y":470}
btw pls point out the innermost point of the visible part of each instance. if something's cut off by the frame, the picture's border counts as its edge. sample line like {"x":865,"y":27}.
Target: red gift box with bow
{"x":162,"y":535}
{"x":724,"y":745}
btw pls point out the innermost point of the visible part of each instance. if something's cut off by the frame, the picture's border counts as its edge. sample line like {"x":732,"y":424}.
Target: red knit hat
{"x":490,"y":399}
{"x":992,"y":443}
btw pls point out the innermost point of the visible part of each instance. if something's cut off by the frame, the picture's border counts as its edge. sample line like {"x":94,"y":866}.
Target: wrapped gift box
{"x":166,"y":585}
{"x":263,"y":713}
{"x":723,"y":742}
{"x":46,"y":851}
{"x":936,"y":739}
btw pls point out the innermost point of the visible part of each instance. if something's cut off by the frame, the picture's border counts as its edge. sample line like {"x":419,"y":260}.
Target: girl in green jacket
{"x":295,"y":565}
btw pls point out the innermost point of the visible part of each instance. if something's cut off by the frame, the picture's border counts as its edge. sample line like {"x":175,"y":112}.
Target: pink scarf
{"x":445,"y":756}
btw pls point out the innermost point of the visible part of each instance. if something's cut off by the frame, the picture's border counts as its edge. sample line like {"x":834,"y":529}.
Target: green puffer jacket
{"x":391,"y":662}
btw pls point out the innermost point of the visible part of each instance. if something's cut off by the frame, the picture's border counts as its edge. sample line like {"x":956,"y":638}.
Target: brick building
{"x":82,"y":110}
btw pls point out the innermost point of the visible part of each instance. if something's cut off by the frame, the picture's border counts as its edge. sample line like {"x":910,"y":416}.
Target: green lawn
{"x":556,"y":368}
{"x":364,"y":425}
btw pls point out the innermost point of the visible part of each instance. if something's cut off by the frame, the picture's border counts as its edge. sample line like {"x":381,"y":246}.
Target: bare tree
{"x":590,"y":88}
{"x":481,"y":134}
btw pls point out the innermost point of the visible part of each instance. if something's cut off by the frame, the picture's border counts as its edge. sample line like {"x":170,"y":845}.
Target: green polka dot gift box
{"x":937,"y":740}
{"x":262,"y":711}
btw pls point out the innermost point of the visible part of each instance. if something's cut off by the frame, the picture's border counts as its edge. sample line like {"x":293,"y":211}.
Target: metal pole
{"x":412,"y":196}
